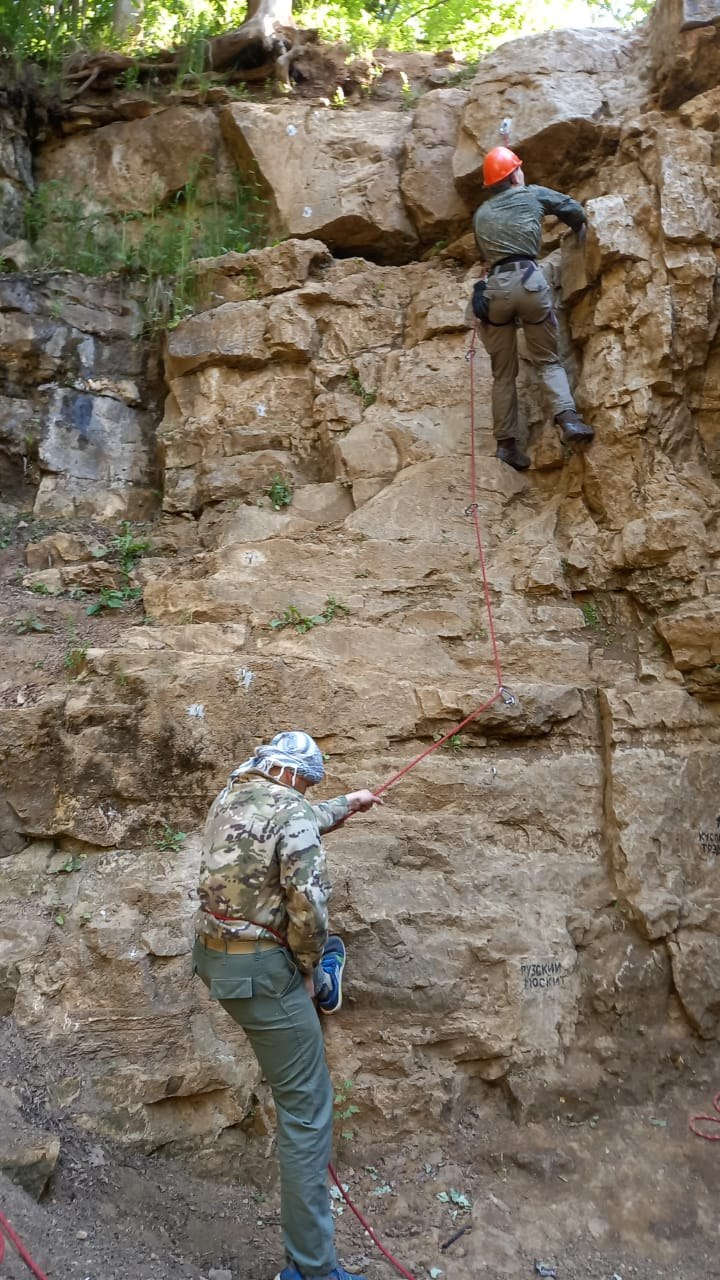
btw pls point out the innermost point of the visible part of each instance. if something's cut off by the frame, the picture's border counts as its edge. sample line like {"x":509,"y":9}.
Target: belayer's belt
{"x":510,"y":264}
{"x":266,"y":928}
{"x":237,"y":946}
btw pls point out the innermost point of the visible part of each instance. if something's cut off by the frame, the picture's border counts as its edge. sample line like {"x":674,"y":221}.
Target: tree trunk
{"x":267,"y":35}
{"x":126,"y":16}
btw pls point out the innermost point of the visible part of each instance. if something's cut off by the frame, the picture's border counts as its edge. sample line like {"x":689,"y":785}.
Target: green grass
{"x":159,"y":247}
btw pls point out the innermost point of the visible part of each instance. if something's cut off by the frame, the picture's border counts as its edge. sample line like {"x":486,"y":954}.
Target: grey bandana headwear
{"x":292,"y":750}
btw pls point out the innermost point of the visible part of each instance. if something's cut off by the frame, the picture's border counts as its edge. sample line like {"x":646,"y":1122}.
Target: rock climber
{"x":262,"y":949}
{"x":507,"y":229}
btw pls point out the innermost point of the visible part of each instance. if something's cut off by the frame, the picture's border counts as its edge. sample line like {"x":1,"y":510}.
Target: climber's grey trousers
{"x":264,"y":992}
{"x":522,"y":291}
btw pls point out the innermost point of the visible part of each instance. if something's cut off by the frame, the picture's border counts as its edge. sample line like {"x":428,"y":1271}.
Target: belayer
{"x":263,"y":951}
{"x":507,"y":228}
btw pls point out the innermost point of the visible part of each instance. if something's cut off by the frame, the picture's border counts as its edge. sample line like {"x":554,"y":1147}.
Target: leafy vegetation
{"x":75,"y":862}
{"x":343,"y":1109}
{"x":170,"y":839}
{"x":74,"y":660}
{"x":129,"y":548}
{"x":158,"y":247}
{"x":357,"y":388}
{"x":113,"y":598}
{"x":50,"y":31}
{"x":302,"y":622}
{"x":24,"y":626}
{"x":455,"y":744}
{"x":280,"y":493}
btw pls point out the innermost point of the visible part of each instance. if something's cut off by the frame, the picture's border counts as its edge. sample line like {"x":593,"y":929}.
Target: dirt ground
{"x":630,"y":1194}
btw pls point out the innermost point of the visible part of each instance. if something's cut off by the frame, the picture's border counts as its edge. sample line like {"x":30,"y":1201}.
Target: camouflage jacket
{"x":263,"y":861}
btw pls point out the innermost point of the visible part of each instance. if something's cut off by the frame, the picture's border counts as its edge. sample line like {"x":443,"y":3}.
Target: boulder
{"x":138,"y":165}
{"x":97,"y":453}
{"x":28,"y":1155}
{"x":328,"y":174}
{"x":427,"y":182}
{"x":684,"y":47}
{"x":565,"y":93}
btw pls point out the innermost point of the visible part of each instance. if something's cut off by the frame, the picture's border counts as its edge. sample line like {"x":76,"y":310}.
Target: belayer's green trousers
{"x":264,"y":992}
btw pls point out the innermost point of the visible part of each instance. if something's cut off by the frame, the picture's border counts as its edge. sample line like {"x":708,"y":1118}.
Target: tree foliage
{"x":52,"y":29}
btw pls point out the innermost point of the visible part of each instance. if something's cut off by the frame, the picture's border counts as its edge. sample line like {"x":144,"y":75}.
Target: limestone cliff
{"x":536,"y":904}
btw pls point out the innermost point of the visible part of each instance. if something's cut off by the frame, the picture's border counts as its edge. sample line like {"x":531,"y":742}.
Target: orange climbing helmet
{"x":498,"y":164}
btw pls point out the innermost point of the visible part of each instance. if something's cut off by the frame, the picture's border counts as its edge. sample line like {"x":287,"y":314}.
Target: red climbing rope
{"x":366,"y":1225}
{"x":500,"y":692}
{"x":708,"y":1119}
{"x":471,"y":510}
{"x":7,"y":1231}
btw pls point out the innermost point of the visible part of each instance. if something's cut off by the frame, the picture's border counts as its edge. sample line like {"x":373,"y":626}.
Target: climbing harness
{"x":7,"y":1233}
{"x":707,"y":1119}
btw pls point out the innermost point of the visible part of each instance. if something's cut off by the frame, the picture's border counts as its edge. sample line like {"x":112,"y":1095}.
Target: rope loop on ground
{"x":706,"y":1118}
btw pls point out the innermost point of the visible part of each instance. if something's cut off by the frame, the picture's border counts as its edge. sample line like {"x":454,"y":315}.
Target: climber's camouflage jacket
{"x":263,"y":861}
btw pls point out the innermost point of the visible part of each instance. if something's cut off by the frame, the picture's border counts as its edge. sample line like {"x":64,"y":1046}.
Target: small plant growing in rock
{"x":595,"y":620}
{"x":409,"y":95}
{"x":280,"y":493}
{"x":113,"y":598}
{"x":40,"y":588}
{"x":75,"y":653}
{"x":23,"y":626}
{"x":590,"y":614}
{"x":74,"y":660}
{"x":170,"y":839}
{"x":129,"y":548}
{"x":357,"y":388}
{"x":455,"y":744}
{"x":338,"y":100}
{"x":302,"y":622}
{"x":343,"y":1109}
{"x":74,"y":863}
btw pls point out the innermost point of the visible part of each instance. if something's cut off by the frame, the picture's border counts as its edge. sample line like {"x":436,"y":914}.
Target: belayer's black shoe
{"x":509,"y":451}
{"x":574,"y":430}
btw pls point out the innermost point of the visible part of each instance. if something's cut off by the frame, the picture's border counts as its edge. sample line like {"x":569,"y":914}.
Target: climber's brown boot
{"x":509,"y":451}
{"x":574,"y":430}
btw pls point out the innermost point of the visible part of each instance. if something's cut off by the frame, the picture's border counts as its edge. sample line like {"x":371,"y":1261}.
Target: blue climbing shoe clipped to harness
{"x":332,"y":963}
{"x":291,"y":1273}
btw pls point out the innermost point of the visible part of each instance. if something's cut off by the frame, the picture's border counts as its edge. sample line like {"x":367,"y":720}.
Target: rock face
{"x":16,"y":175}
{"x":77,"y":397}
{"x":136,"y":166}
{"x":536,"y":902}
{"x":565,"y":93}
{"x":326,"y":175}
